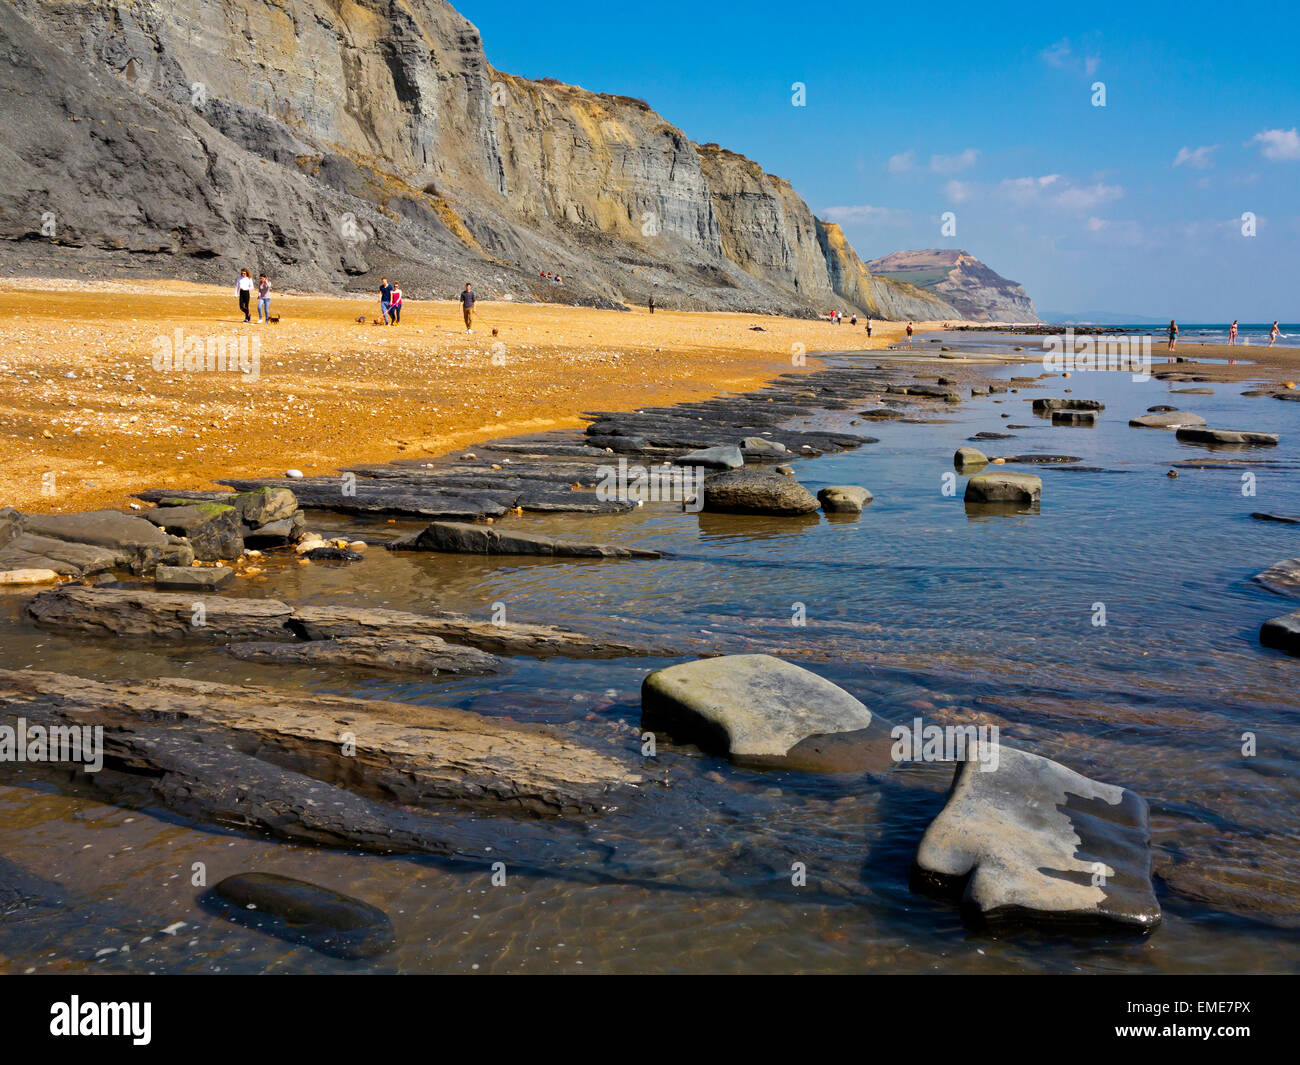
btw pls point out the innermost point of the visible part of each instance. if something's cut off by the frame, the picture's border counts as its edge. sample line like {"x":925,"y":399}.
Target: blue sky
{"x":986,"y":111}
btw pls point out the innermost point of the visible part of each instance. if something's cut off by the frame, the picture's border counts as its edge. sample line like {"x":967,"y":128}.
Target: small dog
{"x":361,"y":319}
{"x":272,"y":319}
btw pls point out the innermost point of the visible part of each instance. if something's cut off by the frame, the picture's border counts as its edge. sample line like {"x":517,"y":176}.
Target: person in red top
{"x":395,"y":304}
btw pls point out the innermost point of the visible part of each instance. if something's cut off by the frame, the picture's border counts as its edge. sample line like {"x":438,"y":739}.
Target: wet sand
{"x":82,"y":400}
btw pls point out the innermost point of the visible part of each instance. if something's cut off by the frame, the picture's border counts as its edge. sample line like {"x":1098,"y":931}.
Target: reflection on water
{"x":922,"y":606}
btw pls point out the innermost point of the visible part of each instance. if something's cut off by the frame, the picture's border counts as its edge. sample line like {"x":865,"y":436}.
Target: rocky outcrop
{"x":1032,"y":841}
{"x":879,"y":296}
{"x":960,"y":279}
{"x":329,"y":143}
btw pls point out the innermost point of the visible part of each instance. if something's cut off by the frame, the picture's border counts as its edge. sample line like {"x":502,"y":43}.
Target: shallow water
{"x":920,"y":607}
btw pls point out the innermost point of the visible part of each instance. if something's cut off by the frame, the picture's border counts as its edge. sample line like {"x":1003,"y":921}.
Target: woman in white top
{"x":1274,"y":333}
{"x":245,"y":292}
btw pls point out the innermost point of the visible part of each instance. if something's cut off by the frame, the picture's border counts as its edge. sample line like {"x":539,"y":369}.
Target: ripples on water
{"x":919,"y":607}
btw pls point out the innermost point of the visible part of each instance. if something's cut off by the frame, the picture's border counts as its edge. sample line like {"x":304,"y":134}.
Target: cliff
{"x":958,"y":277}
{"x":327,"y":142}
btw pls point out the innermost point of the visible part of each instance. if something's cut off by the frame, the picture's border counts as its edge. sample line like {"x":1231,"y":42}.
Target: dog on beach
{"x":272,"y":319}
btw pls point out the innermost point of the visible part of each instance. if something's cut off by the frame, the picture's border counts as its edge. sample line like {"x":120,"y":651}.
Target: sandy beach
{"x":84,"y":402}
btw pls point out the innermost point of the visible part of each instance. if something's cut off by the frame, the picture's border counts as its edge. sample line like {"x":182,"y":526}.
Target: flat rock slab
{"x":126,"y":612}
{"x":410,"y":654}
{"x":192,"y":578}
{"x":844,"y":498}
{"x":749,"y":491}
{"x":1281,"y":577}
{"x":1167,"y":419}
{"x":1034,"y":842}
{"x":1004,"y":488}
{"x":301,"y":912}
{"x":1191,"y":391}
{"x":407,"y":754}
{"x":760,"y":710}
{"x":1226,"y":436}
{"x":1285,"y":519}
{"x":1282,"y":633}
{"x":465,"y":539}
{"x":80,"y":545}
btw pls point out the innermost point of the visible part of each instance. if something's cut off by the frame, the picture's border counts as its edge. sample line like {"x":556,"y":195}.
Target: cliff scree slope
{"x":327,"y":142}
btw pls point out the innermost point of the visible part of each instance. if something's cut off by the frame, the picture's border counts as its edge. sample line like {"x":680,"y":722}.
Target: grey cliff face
{"x":327,"y":144}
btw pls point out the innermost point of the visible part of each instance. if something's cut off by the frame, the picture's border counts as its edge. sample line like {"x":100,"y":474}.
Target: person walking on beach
{"x":385,"y":299}
{"x":1232,"y":333}
{"x":395,"y":304}
{"x":868,"y":327}
{"x":467,"y":307}
{"x":263,"y":300}
{"x":1273,"y":334}
{"x":245,"y":290}
{"x":1173,"y":334}
{"x":909,"y":334}
{"x":651,"y":304}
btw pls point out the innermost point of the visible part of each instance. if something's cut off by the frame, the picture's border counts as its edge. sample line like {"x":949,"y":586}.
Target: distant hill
{"x":962,"y":280}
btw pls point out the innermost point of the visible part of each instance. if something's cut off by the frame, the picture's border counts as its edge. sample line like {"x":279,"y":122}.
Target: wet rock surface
{"x":1033,"y":842}
{"x":843,"y":498}
{"x":1167,"y":418}
{"x":1226,"y":436}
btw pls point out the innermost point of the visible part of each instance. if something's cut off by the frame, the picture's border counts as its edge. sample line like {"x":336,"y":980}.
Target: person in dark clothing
{"x":467,"y":306}
{"x":652,"y":304}
{"x":385,"y":299}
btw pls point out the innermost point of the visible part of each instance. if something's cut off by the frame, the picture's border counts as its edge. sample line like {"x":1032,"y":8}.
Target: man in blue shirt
{"x":467,"y":305}
{"x":385,"y":298}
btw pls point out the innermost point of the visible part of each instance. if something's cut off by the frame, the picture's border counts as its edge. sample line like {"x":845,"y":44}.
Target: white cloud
{"x":1087,"y":197}
{"x":954,"y":164}
{"x":1062,"y":56}
{"x":957,"y":191}
{"x":866,"y":214}
{"x":1053,"y":190}
{"x":1279,"y":145}
{"x":1196,"y":158}
{"x":902,"y":162}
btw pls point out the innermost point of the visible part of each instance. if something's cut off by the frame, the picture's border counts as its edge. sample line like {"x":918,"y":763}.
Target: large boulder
{"x":760,"y":447}
{"x":1034,"y":842}
{"x":843,"y":498}
{"x":748,"y":491}
{"x":1004,"y":487}
{"x":265,"y":505}
{"x":1282,"y":633}
{"x":214,"y":530}
{"x":761,"y":710}
{"x":967,"y":458}
{"x":192,"y":578}
{"x":462,"y":538}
